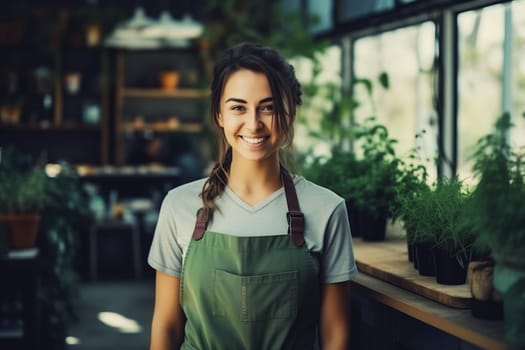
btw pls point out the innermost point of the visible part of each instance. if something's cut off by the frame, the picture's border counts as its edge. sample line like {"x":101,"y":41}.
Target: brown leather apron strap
{"x":294,"y":216}
{"x":200,"y":224}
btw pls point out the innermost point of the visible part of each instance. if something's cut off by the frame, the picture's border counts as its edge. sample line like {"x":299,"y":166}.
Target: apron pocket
{"x":257,"y":297}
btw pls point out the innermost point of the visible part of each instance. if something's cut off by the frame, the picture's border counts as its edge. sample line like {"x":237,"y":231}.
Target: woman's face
{"x":247,"y":116}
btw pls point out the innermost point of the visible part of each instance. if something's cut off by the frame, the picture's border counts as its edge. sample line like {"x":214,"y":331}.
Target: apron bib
{"x":251,"y":292}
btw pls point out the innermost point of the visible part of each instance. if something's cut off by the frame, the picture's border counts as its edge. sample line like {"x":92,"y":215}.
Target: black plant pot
{"x":372,"y":228}
{"x":353,"y":217}
{"x":425,"y":260}
{"x":448,"y":269}
{"x":487,"y":309}
{"x":410,"y":250}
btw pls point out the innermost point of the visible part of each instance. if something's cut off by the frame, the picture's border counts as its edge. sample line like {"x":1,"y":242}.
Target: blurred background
{"x":112,"y":97}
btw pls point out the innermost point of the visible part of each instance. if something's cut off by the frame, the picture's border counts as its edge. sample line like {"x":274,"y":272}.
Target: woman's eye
{"x":237,"y":108}
{"x":267,"y":108}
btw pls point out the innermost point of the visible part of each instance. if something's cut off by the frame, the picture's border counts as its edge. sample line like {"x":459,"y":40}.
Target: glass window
{"x":351,"y":9}
{"x":491,"y":76}
{"x":321,"y":11}
{"x":406,"y":108}
{"x":321,"y":84}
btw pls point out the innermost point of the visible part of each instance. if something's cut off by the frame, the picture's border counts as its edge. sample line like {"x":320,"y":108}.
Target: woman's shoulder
{"x":189,"y":189}
{"x":314,"y":193}
{"x":185,"y":196}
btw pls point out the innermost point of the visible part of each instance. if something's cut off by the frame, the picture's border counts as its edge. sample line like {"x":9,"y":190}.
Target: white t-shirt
{"x":327,"y":230}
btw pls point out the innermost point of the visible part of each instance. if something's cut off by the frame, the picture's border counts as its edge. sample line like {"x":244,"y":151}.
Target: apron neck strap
{"x":200,"y":224}
{"x":294,"y":215}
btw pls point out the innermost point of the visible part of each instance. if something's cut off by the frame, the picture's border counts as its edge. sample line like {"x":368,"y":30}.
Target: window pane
{"x":518,"y":72}
{"x":352,"y":9}
{"x":491,"y":75}
{"x":322,"y":12}
{"x":406,"y":107}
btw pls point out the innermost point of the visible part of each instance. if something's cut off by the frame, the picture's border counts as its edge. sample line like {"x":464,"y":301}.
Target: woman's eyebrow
{"x":239,"y":100}
{"x":267,"y":99}
{"x":233,"y":99}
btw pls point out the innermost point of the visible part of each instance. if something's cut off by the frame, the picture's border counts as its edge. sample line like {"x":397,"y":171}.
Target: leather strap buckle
{"x":296,"y":226}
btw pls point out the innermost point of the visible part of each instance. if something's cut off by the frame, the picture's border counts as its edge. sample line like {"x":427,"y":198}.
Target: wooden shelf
{"x":163,"y":127}
{"x":50,"y":127}
{"x":388,"y":261}
{"x":459,"y":323}
{"x":161,"y":93}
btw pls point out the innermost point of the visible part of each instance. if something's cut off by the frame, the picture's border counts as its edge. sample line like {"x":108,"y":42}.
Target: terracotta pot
{"x":22,"y":230}
{"x":169,"y":80}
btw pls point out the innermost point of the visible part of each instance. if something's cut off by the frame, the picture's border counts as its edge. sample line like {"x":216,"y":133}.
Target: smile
{"x":253,"y":140}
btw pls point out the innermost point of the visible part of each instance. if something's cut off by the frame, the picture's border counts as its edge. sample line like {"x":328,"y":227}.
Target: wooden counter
{"x":457,"y":322}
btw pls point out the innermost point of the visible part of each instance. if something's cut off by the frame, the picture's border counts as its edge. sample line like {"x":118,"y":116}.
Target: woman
{"x":252,"y":257}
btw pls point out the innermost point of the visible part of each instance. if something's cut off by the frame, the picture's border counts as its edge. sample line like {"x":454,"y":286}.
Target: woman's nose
{"x":253,"y":122}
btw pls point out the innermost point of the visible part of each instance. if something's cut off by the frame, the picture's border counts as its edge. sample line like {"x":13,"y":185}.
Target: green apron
{"x":251,"y":292}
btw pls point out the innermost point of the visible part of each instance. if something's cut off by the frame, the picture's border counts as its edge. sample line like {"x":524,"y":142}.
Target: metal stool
{"x":113,"y":227}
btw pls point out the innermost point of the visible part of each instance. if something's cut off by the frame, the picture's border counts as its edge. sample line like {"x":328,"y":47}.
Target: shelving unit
{"x":56,"y":123}
{"x":145,"y":111}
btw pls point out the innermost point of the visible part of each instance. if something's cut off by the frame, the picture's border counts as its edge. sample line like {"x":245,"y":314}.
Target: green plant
{"x":436,"y":215}
{"x":23,"y":187}
{"x":368,"y":174}
{"x":64,"y":220}
{"x":498,"y":215}
{"x":498,"y":210}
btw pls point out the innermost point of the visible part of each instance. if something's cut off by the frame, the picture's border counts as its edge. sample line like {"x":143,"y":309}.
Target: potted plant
{"x":23,"y":194}
{"x":335,"y":173}
{"x":413,"y":207}
{"x":498,"y":215}
{"x":453,"y":237}
{"x":412,"y":183}
{"x":373,"y":188}
{"x":435,"y":218}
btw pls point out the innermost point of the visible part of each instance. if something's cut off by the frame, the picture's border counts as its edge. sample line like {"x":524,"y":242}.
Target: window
{"x":491,"y":76}
{"x":356,"y":9}
{"x":407,"y":108}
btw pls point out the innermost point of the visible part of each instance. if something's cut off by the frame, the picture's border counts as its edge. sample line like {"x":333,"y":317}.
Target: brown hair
{"x":286,"y":93}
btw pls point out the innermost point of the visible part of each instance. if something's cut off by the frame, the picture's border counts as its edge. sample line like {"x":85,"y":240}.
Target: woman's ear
{"x":219,"y":120}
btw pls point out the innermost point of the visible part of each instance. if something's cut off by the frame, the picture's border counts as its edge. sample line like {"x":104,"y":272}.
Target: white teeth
{"x":253,"y":140}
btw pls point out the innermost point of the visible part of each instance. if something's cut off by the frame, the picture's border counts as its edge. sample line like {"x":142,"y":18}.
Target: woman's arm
{"x":167,"y":327}
{"x":335,"y":320}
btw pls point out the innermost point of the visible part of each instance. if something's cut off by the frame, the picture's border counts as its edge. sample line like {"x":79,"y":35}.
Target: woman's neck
{"x":254,"y":181}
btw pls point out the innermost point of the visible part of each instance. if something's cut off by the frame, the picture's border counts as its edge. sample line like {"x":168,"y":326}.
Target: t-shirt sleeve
{"x":338,"y":262}
{"x":165,"y":252}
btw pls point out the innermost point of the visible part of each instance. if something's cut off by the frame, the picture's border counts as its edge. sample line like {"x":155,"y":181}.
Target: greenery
{"x":437,"y":215}
{"x":498,"y":213}
{"x":371,"y":175}
{"x":64,"y":220}
{"x":23,"y":187}
{"x":64,"y":217}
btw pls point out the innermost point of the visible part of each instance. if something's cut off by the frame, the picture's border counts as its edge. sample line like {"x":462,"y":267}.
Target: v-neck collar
{"x":253,"y":208}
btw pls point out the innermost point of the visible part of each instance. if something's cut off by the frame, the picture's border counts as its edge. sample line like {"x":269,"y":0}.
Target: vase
{"x":22,"y":230}
{"x":169,"y":80}
{"x":449,"y":270}
{"x":509,"y":281}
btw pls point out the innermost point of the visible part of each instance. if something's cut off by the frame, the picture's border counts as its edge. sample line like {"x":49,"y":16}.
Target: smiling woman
{"x":250,"y":275}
